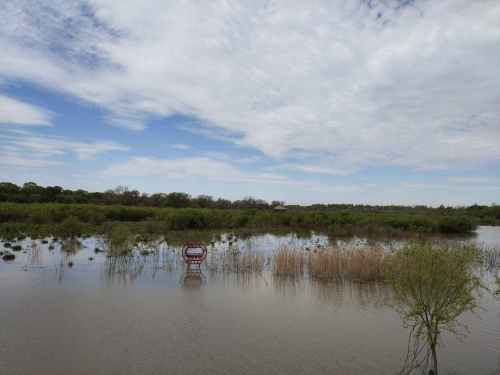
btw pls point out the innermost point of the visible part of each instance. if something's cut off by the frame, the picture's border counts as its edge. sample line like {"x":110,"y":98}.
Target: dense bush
{"x":68,"y":219}
{"x":460,"y":224}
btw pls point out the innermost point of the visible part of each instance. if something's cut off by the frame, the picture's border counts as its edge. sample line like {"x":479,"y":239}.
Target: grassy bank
{"x":46,"y":218}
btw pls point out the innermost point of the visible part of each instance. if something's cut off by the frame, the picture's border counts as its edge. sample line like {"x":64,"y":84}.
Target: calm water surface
{"x":150,"y":317}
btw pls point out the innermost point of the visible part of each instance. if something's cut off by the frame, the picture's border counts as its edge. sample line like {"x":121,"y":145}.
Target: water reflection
{"x":192,"y":279}
{"x":35,"y":255}
{"x":236,"y":306}
{"x":123,"y":268}
{"x":497,"y":371}
{"x":288,"y":286}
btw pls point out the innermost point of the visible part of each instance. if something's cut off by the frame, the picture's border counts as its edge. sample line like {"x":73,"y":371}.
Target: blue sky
{"x":374,"y":102}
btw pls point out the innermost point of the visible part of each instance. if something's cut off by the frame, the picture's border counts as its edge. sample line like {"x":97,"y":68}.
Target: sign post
{"x":194,"y":254}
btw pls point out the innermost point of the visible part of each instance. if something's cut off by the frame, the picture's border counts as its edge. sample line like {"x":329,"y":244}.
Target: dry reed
{"x":246,"y":262}
{"x":288,"y":262}
{"x":356,"y":264}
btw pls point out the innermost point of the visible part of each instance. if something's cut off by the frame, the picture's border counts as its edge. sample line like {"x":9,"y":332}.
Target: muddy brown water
{"x":150,"y":317}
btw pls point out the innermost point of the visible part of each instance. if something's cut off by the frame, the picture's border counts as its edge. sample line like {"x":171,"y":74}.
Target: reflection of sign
{"x":192,"y":280}
{"x":194,"y":254}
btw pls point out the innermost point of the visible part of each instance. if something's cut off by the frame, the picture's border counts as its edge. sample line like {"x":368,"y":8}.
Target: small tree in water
{"x":433,"y":286}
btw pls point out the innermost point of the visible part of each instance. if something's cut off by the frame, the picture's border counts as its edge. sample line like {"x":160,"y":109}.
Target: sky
{"x":334,"y":101}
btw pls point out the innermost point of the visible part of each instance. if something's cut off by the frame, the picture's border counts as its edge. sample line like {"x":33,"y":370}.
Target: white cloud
{"x":15,"y":112}
{"x":451,"y":186}
{"x":474,"y":180}
{"x":214,"y":170}
{"x":28,"y":149}
{"x":361,"y":85}
{"x":12,"y":157}
{"x":312,"y":168}
{"x":205,"y":167}
{"x":232,"y":158}
{"x":181,"y":146}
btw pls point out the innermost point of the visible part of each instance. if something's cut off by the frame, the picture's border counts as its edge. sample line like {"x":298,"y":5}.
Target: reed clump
{"x":251,"y":262}
{"x":288,"y":262}
{"x":242,"y":262}
{"x":327,"y":264}
{"x":367,"y":264}
{"x":362,"y":265}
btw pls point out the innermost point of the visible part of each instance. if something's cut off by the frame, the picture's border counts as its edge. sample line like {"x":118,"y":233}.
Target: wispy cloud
{"x":27,"y":148}
{"x":215,"y":170}
{"x":181,"y":146}
{"x":16,"y":112}
{"x":451,"y":186}
{"x":312,"y":168}
{"x":212,"y":169}
{"x":12,"y":156}
{"x":473,"y":180}
{"x":217,"y":155}
{"x":364,"y":85}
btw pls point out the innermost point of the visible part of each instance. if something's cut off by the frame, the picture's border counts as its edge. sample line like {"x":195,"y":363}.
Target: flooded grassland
{"x":263,"y":303}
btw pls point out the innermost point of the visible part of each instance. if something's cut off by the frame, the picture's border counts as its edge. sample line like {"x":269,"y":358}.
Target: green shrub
{"x":456,"y":225}
{"x":120,"y":240}
{"x":42,"y":217}
{"x":433,"y":286}
{"x":70,"y":228}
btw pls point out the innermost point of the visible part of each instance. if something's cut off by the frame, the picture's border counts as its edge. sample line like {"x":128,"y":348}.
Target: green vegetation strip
{"x":44,"y":218}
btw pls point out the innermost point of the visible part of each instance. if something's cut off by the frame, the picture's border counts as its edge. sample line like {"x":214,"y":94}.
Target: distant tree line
{"x":31,"y":192}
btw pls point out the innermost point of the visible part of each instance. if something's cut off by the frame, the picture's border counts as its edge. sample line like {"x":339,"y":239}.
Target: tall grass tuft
{"x":242,"y":262}
{"x":251,"y":262}
{"x":120,"y":241}
{"x":288,"y":262}
{"x":362,"y":265}
{"x":327,"y":264}
{"x":367,"y":265}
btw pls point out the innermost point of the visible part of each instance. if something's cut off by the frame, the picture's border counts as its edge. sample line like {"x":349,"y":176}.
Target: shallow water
{"x":151,"y":317}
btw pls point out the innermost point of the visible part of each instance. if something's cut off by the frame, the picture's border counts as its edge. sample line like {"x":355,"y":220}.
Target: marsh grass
{"x":289,"y":262}
{"x":366,"y":265}
{"x":43,"y":219}
{"x":497,"y":292}
{"x":250,"y":262}
{"x":328,"y":264}
{"x":235,"y":261}
{"x":71,"y":245}
{"x":363,"y":265}
{"x":119,"y":241}
{"x":70,"y":227}
{"x":35,"y":255}
{"x":123,"y":267}
{"x":489,"y":258}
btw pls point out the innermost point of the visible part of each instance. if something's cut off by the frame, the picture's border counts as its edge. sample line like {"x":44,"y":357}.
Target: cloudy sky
{"x":364,"y":101}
